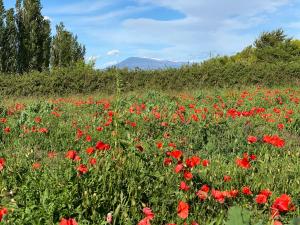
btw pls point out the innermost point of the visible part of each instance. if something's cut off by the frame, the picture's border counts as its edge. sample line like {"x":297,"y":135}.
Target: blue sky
{"x":178,"y":30}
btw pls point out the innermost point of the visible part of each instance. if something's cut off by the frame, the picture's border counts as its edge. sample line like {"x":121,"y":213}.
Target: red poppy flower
{"x":82,"y":169}
{"x":102,"y":146}
{"x":193,"y":161}
{"x":2,"y":163}
{"x":246,"y":191}
{"x":202,"y":195}
{"x":3,"y":120}
{"x":167,"y":161}
{"x":266,"y":192}
{"x":144,"y":221}
{"x":88,"y":138}
{"x":281,"y":204}
{"x":3,"y":212}
{"x":90,"y":150}
{"x":205,"y":162}
{"x":7,"y":130}
{"x":183,"y":210}
{"x":176,"y":154}
{"x":68,"y":222}
{"x":159,"y":145}
{"x":148,"y":213}
{"x":205,"y":188}
{"x":178,"y":167}
{"x":36,"y":165}
{"x":93,"y":161}
{"x":218,"y":195}
{"x":188,"y":175}
{"x":244,"y":162}
{"x":183,"y":186}
{"x":261,"y":199}
{"x":280,"y":126}
{"x":252,"y":139}
{"x":71,"y":154}
{"x":38,"y":119}
{"x":227,"y":178}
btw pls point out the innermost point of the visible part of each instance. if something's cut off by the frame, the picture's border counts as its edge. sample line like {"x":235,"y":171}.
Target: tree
{"x":65,"y":49}
{"x":46,"y":44}
{"x":34,"y":43}
{"x":10,"y":47}
{"x":275,"y":46}
{"x":2,"y":29}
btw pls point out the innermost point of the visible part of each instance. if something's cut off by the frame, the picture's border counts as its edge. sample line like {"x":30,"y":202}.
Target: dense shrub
{"x":218,"y":72}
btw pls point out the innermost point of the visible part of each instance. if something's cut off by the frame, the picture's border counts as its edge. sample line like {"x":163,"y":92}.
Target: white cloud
{"x":48,"y":18}
{"x":113,"y":52}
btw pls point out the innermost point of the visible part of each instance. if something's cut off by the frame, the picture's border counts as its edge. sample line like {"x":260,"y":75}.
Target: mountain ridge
{"x":148,"y":63}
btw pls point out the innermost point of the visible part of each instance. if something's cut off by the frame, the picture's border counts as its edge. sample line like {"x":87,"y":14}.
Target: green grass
{"x":132,"y":175}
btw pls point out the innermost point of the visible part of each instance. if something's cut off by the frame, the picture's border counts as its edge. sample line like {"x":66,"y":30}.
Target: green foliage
{"x":238,"y":216}
{"x":9,"y":65}
{"x":132,"y":175}
{"x":65,"y":49}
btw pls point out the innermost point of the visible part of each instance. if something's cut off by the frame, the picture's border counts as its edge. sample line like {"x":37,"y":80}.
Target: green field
{"x":189,"y":158}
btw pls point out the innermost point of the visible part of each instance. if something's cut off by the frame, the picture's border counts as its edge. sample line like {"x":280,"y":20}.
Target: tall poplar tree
{"x":65,"y":49}
{"x":2,"y":30}
{"x":33,"y":24}
{"x":22,"y":54}
{"x":10,"y":47}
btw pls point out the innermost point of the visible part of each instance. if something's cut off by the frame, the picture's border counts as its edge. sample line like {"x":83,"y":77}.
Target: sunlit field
{"x":211,"y":157}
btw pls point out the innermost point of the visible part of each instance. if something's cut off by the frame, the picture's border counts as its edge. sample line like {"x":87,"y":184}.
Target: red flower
{"x":82,"y":169}
{"x":159,"y":145}
{"x":148,"y":213}
{"x":2,"y":163}
{"x":282,"y":204}
{"x":266,"y":192}
{"x":176,"y":154}
{"x":188,"y":175}
{"x":43,"y":130}
{"x":227,"y":178}
{"x":90,"y":150}
{"x":252,"y":139}
{"x":51,"y":155}
{"x":244,"y":162}
{"x":7,"y":130}
{"x":218,"y":195}
{"x":205,"y":188}
{"x":37,"y":119}
{"x":261,"y":199}
{"x":183,"y":210}
{"x":144,"y":221}
{"x":202,"y":194}
{"x":88,"y":138}
{"x":193,"y":161}
{"x":93,"y":161}
{"x":167,"y":161}
{"x":183,"y":186}
{"x":246,"y":191}
{"x":36,"y":165}
{"x":2,"y":213}
{"x":178,"y":167}
{"x":274,"y":140}
{"x":71,"y":154}
{"x":205,"y":162}
{"x":280,"y":126}
{"x":102,"y":146}
{"x":68,"y":222}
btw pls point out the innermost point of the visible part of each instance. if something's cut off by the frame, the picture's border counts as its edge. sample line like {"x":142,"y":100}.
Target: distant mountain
{"x":148,"y":64}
